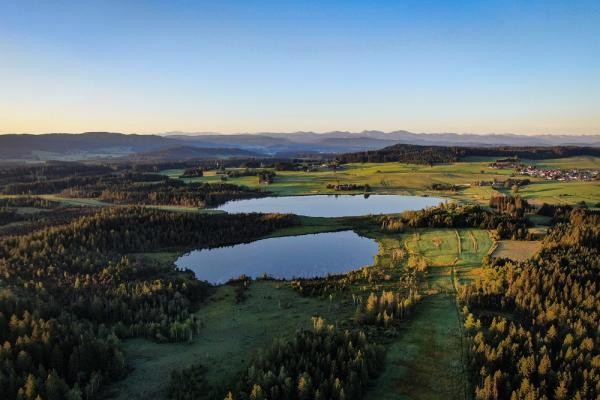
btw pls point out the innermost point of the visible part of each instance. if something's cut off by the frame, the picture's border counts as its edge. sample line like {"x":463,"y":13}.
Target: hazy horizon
{"x":146,"y":67}
{"x":189,"y":133}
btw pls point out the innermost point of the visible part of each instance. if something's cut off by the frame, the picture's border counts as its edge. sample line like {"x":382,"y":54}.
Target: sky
{"x":530,"y":67}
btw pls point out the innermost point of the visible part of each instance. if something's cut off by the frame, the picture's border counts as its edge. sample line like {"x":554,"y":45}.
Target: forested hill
{"x":27,"y":146}
{"x":445,"y":154}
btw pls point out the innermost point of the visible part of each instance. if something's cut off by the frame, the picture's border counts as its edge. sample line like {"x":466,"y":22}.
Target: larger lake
{"x":287,"y":257}
{"x":331,"y":205}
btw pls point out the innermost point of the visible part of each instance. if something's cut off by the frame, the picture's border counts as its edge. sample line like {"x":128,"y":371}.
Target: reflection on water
{"x":332,"y":205}
{"x":284,"y":257}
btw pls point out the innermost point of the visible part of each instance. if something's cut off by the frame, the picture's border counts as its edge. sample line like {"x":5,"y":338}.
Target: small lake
{"x":288,"y":257}
{"x":332,"y":205}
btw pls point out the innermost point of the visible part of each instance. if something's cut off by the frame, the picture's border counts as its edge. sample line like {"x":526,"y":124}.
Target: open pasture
{"x":414,"y":179}
{"x":449,"y":247}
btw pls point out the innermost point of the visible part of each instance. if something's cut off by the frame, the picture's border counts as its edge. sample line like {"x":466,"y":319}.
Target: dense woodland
{"x":534,"y":324}
{"x":505,"y":225}
{"x":25,"y":214}
{"x":176,"y":192}
{"x":27,"y":201}
{"x":69,"y":293}
{"x":415,"y":154}
{"x":194,"y":172}
{"x":49,"y":171}
{"x":515,"y":206}
{"x":84,"y":186}
{"x":407,"y":153}
{"x":322,"y":363}
{"x":126,"y":187}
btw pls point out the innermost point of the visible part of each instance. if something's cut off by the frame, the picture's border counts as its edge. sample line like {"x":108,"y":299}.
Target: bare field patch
{"x":517,"y":250}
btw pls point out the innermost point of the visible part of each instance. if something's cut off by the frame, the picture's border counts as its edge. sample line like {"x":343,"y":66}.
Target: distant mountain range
{"x":172,"y":146}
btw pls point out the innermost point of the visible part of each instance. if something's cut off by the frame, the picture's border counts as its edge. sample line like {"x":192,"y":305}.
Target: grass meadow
{"x":412,"y":179}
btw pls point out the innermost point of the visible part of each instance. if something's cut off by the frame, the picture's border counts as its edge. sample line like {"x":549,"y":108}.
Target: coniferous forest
{"x":533,"y":325}
{"x":71,"y":293}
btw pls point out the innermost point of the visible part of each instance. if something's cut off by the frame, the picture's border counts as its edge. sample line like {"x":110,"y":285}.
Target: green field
{"x":582,"y":162}
{"x":409,"y":179}
{"x":396,"y":178}
{"x":440,"y":247}
{"x":426,"y":362}
{"x":231,"y":335}
{"x":562,"y":192}
{"x":382,"y":177}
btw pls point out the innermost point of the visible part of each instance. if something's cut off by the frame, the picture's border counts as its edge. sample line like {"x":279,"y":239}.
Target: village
{"x":554,"y":174}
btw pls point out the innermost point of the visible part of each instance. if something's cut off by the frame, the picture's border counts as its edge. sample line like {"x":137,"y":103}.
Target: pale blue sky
{"x":248,"y":66}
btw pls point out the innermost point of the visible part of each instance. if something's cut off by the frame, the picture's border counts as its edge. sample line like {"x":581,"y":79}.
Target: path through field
{"x":426,"y":362}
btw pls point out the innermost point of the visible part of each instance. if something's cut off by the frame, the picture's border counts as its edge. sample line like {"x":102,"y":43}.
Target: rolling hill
{"x":95,"y":145}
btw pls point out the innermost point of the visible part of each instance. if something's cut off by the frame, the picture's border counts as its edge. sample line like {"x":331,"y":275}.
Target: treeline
{"x":454,"y":215}
{"x":193,"y":172}
{"x":27,"y":201}
{"x":558,"y":212}
{"x":176,"y":192}
{"x":406,"y":153}
{"x":68,"y":294}
{"x":83,"y":186}
{"x":349,"y":187}
{"x":138,"y":189}
{"x":514,"y":206}
{"x":264,"y":175}
{"x":34,"y":222}
{"x":534,"y":324}
{"x":415,"y":154}
{"x":332,"y":284}
{"x":49,"y":171}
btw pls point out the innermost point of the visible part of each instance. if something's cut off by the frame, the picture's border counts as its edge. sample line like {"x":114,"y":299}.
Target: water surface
{"x":287,"y":257}
{"x":331,"y":205}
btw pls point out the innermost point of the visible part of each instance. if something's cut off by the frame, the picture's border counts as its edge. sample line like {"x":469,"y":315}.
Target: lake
{"x":288,"y":257}
{"x":331,"y":205}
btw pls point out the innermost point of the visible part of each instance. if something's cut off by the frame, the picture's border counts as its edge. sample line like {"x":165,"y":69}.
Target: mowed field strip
{"x":444,"y":248}
{"x":516,"y":250}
